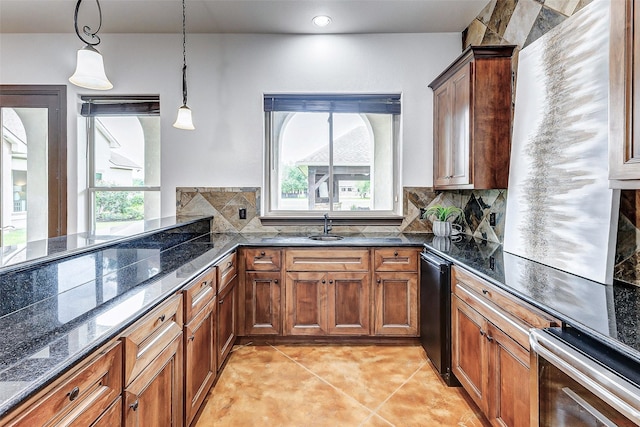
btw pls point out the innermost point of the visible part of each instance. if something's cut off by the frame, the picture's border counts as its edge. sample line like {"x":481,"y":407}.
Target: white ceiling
{"x":241,"y":16}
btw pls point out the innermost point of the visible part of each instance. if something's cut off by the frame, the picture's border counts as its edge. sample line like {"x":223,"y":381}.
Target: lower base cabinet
{"x":226,"y":321}
{"x":155,"y":397}
{"x":396,"y":304}
{"x":490,"y":348}
{"x":200,"y":365}
{"x":334,"y":303}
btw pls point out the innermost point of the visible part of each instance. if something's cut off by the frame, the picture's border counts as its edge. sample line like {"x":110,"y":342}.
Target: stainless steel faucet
{"x":327,"y":224}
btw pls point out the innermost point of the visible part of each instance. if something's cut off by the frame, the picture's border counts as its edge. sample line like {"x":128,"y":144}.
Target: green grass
{"x":14,"y":237}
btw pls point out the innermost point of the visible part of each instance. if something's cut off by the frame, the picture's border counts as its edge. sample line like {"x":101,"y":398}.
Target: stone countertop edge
{"x":566,"y":320}
{"x":97,"y":246}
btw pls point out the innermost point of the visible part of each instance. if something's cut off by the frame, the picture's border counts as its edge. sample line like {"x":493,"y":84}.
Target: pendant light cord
{"x":184,"y":54}
{"x":87,"y":30}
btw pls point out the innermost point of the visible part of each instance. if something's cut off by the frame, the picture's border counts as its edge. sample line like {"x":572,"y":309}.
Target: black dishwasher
{"x":435,"y":313}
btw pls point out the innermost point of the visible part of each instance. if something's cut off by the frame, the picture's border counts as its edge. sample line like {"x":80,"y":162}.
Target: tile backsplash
{"x":224,"y":202}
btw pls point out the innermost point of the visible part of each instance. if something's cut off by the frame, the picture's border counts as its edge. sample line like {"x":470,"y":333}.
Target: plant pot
{"x":442,"y":228}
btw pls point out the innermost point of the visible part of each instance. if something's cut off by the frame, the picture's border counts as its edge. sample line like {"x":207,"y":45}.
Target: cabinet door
{"x":396,"y":304}
{"x":509,"y":373}
{"x":469,"y":351}
{"x":460,"y":137}
{"x":262,"y":303}
{"x":226,"y":334}
{"x":154,"y":398}
{"x":305,"y":303}
{"x":348,"y":303}
{"x":199,"y":359}
{"x":442,"y":135}
{"x":624,"y":152}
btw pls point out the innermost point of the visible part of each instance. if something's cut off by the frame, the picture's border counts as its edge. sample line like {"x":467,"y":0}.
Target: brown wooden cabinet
{"x":396,"y":292}
{"x":624,"y":145}
{"x":327,"y":292}
{"x":226,"y":320}
{"x":490,"y":347}
{"x":472,"y":120}
{"x":200,"y":353}
{"x":88,"y":395}
{"x":153,"y":367}
{"x":262,"y":291}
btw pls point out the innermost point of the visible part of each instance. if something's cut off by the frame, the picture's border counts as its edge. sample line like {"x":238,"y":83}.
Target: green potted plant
{"x":441,"y":217}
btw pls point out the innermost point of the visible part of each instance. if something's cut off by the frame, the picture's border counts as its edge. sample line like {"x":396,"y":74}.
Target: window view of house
{"x":331,"y":157}
{"x":24,"y":142}
{"x":124,"y":179}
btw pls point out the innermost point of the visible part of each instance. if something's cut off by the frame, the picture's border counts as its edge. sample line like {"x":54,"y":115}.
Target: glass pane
{"x":127,"y":151}
{"x":122,"y":210}
{"x":353,"y":152}
{"x":24,"y":175}
{"x":301,"y":161}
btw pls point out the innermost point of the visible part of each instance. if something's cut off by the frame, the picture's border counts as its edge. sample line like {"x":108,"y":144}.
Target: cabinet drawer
{"x":79,"y":398}
{"x":333,"y":259}
{"x":227,"y":270}
{"x":262,"y":259}
{"x":150,"y":335}
{"x":199,"y":293}
{"x":395,"y":259}
{"x":513,"y":316}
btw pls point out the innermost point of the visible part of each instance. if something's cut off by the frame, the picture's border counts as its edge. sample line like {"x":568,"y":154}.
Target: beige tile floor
{"x":325,"y":385}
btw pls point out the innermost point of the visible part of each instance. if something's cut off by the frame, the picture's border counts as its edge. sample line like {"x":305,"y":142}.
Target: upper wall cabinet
{"x":472,"y":120}
{"x":624,"y":143}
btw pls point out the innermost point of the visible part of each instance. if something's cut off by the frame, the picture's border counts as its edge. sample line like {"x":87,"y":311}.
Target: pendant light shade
{"x":90,"y":70}
{"x":89,"y":65}
{"x":184,"y":119}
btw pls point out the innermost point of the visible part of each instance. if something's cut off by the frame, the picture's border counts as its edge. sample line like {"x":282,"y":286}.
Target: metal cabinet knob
{"x":262,"y":253}
{"x":275,"y":281}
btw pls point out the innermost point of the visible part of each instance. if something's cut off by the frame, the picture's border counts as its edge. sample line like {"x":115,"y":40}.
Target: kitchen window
{"x":123,"y":135}
{"x":334,"y":154}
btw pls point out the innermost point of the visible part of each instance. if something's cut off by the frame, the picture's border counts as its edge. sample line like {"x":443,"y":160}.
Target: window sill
{"x":302,"y":221}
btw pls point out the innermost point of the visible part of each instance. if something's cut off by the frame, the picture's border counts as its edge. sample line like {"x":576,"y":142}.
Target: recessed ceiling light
{"x":321,"y":21}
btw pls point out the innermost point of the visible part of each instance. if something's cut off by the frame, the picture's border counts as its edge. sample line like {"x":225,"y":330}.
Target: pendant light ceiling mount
{"x":89,"y":66}
{"x":184,"y":119}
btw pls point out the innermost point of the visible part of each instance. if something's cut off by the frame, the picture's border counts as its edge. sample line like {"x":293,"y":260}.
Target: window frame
{"x":113,"y":106}
{"x":271,"y":216}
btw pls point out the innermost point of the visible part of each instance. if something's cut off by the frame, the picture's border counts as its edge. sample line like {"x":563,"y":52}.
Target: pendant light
{"x":184,"y":120}
{"x":89,"y":65}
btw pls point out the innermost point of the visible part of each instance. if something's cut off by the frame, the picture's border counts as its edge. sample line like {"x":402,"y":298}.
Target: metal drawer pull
{"x":161,"y":318}
{"x":192,"y":337}
{"x":73,"y":394}
{"x":481,"y":332}
{"x":485,"y":292}
{"x":134,"y":405}
{"x":395,"y":253}
{"x":489,"y":338}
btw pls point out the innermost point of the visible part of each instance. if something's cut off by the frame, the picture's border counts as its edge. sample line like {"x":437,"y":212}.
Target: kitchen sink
{"x":326,"y":237}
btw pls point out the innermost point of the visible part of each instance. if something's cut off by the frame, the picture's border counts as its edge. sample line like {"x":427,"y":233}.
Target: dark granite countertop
{"x":55,"y":311}
{"x":609,"y":313}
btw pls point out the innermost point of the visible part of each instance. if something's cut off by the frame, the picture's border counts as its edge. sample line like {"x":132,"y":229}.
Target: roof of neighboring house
{"x":350,"y":149}
{"x":121,"y":162}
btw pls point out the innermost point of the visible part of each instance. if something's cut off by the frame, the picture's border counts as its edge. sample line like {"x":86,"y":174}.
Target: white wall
{"x":227,"y":75}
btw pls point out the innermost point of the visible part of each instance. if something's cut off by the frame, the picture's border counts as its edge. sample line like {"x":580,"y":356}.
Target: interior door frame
{"x":54,"y":98}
